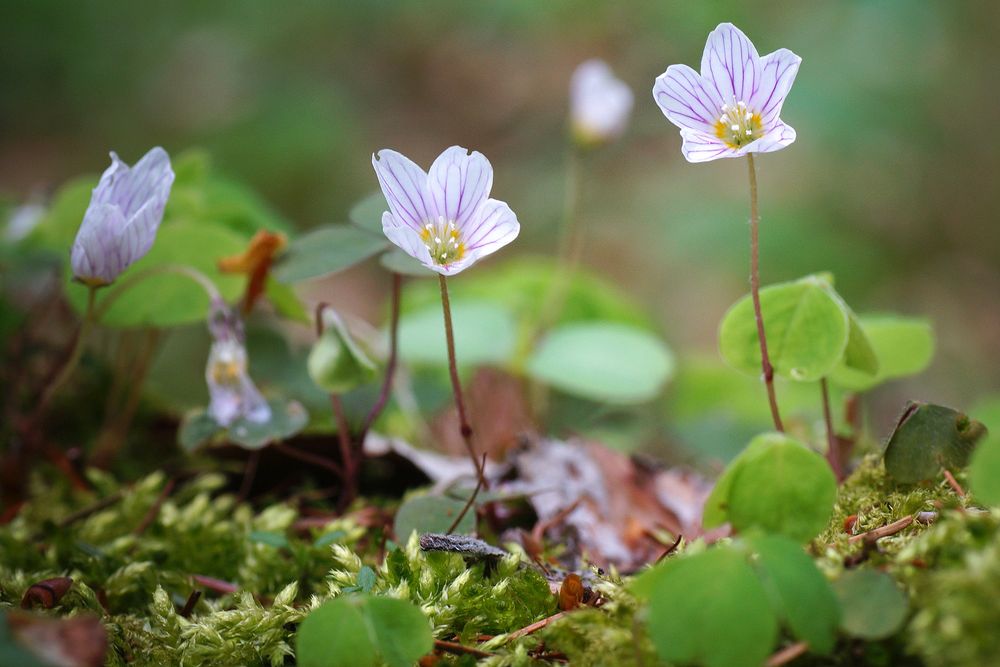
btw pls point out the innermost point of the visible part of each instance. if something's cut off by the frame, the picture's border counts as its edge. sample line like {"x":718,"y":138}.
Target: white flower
{"x":232,"y":394}
{"x":443,"y":218}
{"x":600,"y":103}
{"x":732,"y":108}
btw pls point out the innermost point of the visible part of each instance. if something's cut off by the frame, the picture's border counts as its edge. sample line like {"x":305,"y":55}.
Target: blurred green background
{"x":891,"y":184}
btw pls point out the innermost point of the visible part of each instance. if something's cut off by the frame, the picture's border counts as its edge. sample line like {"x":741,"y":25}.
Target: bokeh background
{"x":891,"y":184}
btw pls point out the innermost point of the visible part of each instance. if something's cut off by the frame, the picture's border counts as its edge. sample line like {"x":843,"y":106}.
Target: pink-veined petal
{"x":458,"y":183}
{"x":686,"y":99}
{"x":97,"y":255}
{"x":404,"y":185}
{"x":407,"y":239}
{"x":730,"y":64}
{"x":702,"y":147}
{"x":778,"y":72}
{"x":130,"y":188}
{"x":494,"y":227}
{"x":778,"y":137}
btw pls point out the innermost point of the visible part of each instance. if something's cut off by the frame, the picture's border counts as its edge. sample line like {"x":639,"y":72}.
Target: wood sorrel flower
{"x":444,"y":218}
{"x":732,"y":107}
{"x":120,"y":224}
{"x":232,"y":394}
{"x":600,"y":103}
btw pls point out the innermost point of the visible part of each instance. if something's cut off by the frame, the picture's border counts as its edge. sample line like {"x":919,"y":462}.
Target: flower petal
{"x":458,"y":183}
{"x":404,"y":185}
{"x":97,"y":257}
{"x":778,"y":72}
{"x":407,"y":238}
{"x":731,"y":64}
{"x":494,"y":227}
{"x":778,"y":137}
{"x":702,"y":147}
{"x":130,"y":189}
{"x":686,"y":99}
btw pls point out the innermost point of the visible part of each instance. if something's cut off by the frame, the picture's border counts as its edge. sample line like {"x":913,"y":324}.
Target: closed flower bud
{"x":120,"y":224}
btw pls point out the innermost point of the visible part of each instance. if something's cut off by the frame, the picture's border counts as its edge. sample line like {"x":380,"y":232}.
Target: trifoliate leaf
{"x":927,"y":439}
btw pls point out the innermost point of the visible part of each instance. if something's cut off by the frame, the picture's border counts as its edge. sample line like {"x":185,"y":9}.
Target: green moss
{"x":953,"y":573}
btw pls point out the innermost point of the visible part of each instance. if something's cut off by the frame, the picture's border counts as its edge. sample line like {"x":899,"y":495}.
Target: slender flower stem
{"x":833,"y":454}
{"x":346,"y":452}
{"x":347,"y":458}
{"x":456,"y":385}
{"x":89,"y":317}
{"x":390,"y":366}
{"x":568,"y":251}
{"x":765,"y":361}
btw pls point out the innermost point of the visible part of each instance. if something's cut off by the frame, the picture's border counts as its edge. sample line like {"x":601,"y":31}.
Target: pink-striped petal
{"x":778,"y":137}
{"x":494,"y":227}
{"x":686,"y":99}
{"x":129,"y":188}
{"x":404,"y":185}
{"x":406,"y":238}
{"x":702,"y":147}
{"x":778,"y":72}
{"x":97,"y":257}
{"x":459,"y":182}
{"x":730,"y":64}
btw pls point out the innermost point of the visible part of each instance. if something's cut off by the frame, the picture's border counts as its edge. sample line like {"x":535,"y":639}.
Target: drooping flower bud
{"x":232,"y":393}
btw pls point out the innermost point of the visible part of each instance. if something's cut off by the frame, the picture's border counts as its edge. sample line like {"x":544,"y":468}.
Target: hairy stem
{"x":456,"y":384}
{"x":765,"y":361}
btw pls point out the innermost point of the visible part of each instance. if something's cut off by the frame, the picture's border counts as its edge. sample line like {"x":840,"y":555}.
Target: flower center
{"x":228,"y":363}
{"x":738,"y":125}
{"x":443,"y":240}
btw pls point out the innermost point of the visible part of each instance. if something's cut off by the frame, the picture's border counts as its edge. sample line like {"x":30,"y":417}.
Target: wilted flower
{"x":732,"y":107}
{"x":255,"y":262}
{"x":444,"y":218}
{"x":600,"y":103}
{"x":120,"y":224}
{"x":232,"y":393}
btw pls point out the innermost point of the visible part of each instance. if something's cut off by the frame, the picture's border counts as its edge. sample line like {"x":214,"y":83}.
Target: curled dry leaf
{"x":46,"y":593}
{"x":621,"y":502}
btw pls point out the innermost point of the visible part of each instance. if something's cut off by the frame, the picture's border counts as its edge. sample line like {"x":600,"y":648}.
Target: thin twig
{"x":154,"y":509}
{"x":213,"y":584}
{"x":249,"y":474}
{"x":672,"y":548}
{"x":787,"y":654}
{"x":535,"y":627}
{"x":765,"y":360}
{"x":390,"y":366}
{"x":953,"y":483}
{"x":884,"y":531}
{"x":460,"y":649}
{"x":308,"y":457}
{"x":103,"y":503}
{"x":192,"y":600}
{"x":468,"y":503}
{"x":456,"y":384}
{"x":538,"y":532}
